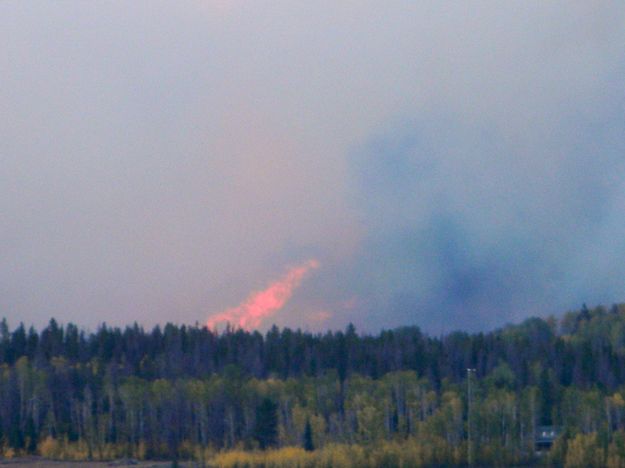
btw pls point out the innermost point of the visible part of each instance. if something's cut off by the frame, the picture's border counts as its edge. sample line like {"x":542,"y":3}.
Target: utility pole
{"x":469,"y":408}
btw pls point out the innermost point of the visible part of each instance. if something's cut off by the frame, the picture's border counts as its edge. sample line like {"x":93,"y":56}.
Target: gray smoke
{"x":448,"y":165}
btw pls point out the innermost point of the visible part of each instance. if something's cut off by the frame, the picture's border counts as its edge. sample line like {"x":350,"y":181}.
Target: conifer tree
{"x":309,"y":446}
{"x":266,"y":428}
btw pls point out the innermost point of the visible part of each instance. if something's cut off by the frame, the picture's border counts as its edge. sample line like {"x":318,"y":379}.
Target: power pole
{"x":469,"y":408}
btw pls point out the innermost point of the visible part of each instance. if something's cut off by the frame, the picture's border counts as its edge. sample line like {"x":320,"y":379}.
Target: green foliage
{"x":501,"y":377}
{"x":309,"y":445}
{"x":395,"y":399}
{"x":266,"y":428}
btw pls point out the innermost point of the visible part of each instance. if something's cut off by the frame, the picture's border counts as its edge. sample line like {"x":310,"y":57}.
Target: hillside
{"x":187,"y":393}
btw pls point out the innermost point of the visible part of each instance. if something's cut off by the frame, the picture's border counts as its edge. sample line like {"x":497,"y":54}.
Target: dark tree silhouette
{"x":266,"y":428}
{"x":159,"y":392}
{"x":309,"y":446}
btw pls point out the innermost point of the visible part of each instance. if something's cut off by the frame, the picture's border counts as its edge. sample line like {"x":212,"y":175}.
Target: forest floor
{"x":39,"y":462}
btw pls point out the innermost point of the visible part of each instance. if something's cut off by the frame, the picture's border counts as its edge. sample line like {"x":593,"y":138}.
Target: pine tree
{"x":309,"y":446}
{"x":266,"y":428}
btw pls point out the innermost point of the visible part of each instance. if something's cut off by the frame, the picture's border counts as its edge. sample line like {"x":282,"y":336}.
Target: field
{"x":39,"y":462}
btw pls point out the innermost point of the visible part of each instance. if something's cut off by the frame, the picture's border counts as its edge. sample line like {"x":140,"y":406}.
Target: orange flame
{"x":263,"y":304}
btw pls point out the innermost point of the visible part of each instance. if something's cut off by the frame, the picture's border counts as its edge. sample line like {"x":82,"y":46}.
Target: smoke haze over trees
{"x":398,"y":171}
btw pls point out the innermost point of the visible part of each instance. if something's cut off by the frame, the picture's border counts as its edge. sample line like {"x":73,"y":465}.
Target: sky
{"x":450,"y":165}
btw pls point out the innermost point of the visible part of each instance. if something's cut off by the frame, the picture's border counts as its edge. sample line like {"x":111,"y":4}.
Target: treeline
{"x":186,"y":392}
{"x":583,"y":349}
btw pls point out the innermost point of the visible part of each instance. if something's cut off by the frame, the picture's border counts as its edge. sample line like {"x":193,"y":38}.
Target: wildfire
{"x":261,"y":305}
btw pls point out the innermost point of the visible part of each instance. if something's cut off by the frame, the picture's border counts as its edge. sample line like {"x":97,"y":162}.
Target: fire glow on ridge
{"x":263,"y":304}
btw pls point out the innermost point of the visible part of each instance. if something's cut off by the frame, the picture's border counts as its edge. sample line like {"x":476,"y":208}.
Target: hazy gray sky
{"x":448,"y":164}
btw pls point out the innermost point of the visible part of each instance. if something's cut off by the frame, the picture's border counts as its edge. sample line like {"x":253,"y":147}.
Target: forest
{"x":340,"y":398}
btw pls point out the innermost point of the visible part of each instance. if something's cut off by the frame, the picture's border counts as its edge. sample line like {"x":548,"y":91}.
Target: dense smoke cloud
{"x":449,"y":165}
{"x":495,"y":237}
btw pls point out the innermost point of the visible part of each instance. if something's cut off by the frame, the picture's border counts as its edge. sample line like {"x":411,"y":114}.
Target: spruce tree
{"x":266,"y":428}
{"x":309,"y":446}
